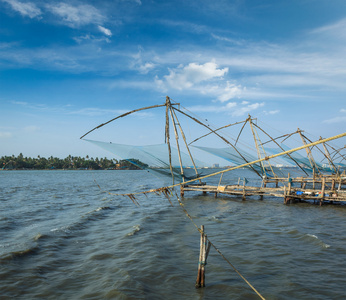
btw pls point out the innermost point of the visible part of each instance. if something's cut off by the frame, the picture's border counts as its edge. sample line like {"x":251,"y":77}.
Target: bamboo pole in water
{"x":204,"y":248}
{"x":200,"y":259}
{"x":322,"y":190}
{"x":244,"y":194}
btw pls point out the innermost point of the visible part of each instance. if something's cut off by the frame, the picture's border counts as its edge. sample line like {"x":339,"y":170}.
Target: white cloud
{"x":104,"y":30}
{"x":213,"y":108}
{"x":336,"y":29}
{"x":27,"y":9}
{"x":271,"y":112}
{"x":222,"y":91}
{"x":131,"y":84}
{"x":236,"y":42}
{"x":94,"y":111}
{"x":335,"y":120}
{"x":186,"y":77}
{"x":5,"y":134}
{"x":31,"y":128}
{"x":144,"y":69}
{"x":297,"y":80}
{"x":232,"y":108}
{"x":69,"y":15}
{"x":246,"y":108}
{"x":206,"y":79}
{"x":138,"y":63}
{"x":90,"y":38}
{"x":76,"y":16}
{"x":19,"y":103}
{"x":340,"y":119}
{"x":139,"y":2}
{"x":230,"y":91}
{"x":186,"y":26}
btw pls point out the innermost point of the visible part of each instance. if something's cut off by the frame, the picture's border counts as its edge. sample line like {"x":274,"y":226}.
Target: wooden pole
{"x":244,"y":193}
{"x":333,"y":185}
{"x":282,"y":149}
{"x":327,"y":155}
{"x":186,"y":145}
{"x":256,"y":144}
{"x":177,"y":142}
{"x":123,"y":115}
{"x":203,"y":255}
{"x":322,"y":190}
{"x":289,"y":189}
{"x":199,"y":272}
{"x":220,"y":179}
{"x":308,"y":152}
{"x":167,"y":137}
{"x":221,"y":137}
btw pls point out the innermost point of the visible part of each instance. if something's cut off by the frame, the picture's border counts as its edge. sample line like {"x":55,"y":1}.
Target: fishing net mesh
{"x":154,"y":158}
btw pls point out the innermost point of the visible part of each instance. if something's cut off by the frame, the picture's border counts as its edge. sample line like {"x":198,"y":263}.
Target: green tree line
{"x":71,"y":162}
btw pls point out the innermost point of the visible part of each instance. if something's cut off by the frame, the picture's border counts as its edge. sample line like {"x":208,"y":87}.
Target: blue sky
{"x":66,"y":67}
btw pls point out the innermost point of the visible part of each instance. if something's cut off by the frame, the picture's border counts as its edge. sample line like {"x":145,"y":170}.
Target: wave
{"x":101,"y":208}
{"x":32,"y":248}
{"x":21,"y":253}
{"x":315,"y":238}
{"x":136,"y":229}
{"x":217,"y":219}
{"x":94,"y":215}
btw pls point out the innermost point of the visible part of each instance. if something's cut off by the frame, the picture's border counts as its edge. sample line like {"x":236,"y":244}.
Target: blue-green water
{"x":61,"y":237}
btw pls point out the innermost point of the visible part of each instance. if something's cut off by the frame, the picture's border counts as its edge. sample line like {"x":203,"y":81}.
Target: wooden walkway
{"x":324,"y":189}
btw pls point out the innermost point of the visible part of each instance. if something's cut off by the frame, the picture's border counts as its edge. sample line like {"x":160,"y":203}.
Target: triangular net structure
{"x":155,"y":158}
{"x":175,"y":159}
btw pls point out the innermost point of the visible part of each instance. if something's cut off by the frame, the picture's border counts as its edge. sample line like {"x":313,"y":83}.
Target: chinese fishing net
{"x":240,"y":157}
{"x":155,"y":158}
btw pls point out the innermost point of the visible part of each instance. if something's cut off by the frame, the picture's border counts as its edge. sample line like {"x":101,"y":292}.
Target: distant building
{"x":216,"y":166}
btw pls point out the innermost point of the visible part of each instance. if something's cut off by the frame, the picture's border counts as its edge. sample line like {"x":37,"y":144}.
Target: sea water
{"x":65,"y":235}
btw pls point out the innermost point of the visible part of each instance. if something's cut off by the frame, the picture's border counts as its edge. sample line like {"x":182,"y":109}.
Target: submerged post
{"x":322,"y":190}
{"x":203,"y":255}
{"x":244,"y":193}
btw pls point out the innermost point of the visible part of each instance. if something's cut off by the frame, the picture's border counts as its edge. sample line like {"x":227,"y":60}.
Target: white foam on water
{"x":136,"y":228}
{"x":313,"y":236}
{"x":324,"y":245}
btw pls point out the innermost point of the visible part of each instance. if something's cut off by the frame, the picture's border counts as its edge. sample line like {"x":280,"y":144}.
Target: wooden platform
{"x":323,"y":189}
